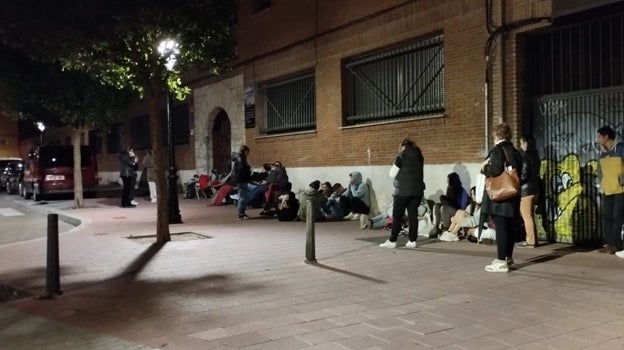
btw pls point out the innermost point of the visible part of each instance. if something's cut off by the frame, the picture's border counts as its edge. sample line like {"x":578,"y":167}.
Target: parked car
{"x":49,"y":170}
{"x":11,"y":176}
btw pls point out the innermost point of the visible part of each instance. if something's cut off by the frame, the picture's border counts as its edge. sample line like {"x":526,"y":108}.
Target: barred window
{"x":403,"y":82}
{"x":289,"y":105}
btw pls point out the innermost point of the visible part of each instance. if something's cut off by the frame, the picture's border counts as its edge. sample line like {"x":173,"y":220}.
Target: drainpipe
{"x":494,"y":32}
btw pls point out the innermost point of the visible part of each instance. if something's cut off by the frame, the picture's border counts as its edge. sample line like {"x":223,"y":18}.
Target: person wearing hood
{"x":241,"y":175}
{"x":358,"y":199}
{"x":409,"y":189}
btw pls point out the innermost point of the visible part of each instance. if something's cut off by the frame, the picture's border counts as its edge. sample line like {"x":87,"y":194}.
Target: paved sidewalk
{"x":247,"y":287}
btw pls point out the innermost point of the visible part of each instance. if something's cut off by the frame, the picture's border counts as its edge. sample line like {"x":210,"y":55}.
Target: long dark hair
{"x":530,"y":141}
{"x":454,"y":188}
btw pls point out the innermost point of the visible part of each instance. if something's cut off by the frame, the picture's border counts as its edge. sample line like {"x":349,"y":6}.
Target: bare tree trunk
{"x":78,"y":190}
{"x":154,"y":95}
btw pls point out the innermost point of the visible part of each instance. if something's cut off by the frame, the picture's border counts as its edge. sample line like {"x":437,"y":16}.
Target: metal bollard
{"x":310,"y":249}
{"x":53,"y":279}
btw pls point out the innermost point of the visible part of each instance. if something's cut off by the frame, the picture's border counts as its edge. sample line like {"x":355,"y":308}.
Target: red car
{"x":49,"y":171}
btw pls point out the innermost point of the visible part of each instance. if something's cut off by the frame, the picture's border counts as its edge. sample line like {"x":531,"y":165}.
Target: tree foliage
{"x":116,"y":43}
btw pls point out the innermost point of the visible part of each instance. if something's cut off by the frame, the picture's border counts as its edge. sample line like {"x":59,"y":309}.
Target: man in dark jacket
{"x":409,"y":189}
{"x":241,"y":175}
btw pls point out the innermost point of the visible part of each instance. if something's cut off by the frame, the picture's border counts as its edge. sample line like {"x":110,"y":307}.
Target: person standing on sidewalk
{"x":504,"y":213}
{"x":409,"y":189}
{"x":148,"y":164}
{"x":241,"y":175}
{"x":128,"y":164}
{"x":611,"y":176}
{"x":529,"y":189}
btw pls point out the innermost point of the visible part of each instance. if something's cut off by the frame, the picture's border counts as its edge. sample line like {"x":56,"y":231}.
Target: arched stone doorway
{"x":221,"y":142}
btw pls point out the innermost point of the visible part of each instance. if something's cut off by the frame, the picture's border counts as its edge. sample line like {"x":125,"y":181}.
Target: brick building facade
{"x":329,"y":87}
{"x":320,"y":38}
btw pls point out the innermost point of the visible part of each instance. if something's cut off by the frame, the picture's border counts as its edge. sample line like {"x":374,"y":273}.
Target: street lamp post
{"x":169,"y":49}
{"x":41,"y":128}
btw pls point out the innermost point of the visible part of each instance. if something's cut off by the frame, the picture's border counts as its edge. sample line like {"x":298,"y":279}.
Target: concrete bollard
{"x":310,"y":243}
{"x":53,"y":279}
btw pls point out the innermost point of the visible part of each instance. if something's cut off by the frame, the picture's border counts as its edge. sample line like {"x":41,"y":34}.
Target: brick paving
{"x":248,"y":287}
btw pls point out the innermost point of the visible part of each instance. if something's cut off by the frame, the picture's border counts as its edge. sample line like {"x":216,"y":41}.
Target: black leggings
{"x":127,"y":194}
{"x":505,"y":239}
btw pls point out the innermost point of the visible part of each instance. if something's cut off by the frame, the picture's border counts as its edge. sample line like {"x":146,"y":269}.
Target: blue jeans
{"x":333,"y":208}
{"x":243,"y":193}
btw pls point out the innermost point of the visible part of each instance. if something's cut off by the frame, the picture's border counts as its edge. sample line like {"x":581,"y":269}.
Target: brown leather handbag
{"x":504,"y":186}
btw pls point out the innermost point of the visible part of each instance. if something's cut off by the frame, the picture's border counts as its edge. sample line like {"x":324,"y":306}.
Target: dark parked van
{"x":49,"y":170}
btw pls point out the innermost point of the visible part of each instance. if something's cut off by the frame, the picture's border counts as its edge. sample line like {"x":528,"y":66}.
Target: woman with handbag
{"x":501,"y":199}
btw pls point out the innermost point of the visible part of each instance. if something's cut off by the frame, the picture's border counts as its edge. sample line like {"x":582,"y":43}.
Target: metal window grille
{"x":578,"y":57}
{"x":290,"y":105}
{"x":399,"y":83}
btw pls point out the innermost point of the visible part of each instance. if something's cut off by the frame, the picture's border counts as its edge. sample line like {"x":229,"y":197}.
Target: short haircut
{"x":336,"y":186}
{"x":607,"y":131}
{"x":503,"y":131}
{"x":243,"y":148}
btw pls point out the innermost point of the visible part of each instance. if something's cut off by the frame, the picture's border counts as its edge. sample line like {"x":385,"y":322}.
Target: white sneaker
{"x":410,"y":244}
{"x":497,"y":266}
{"x":364,"y":221}
{"x":388,"y":244}
{"x":620,"y":254}
{"x":133,"y":202}
{"x":153,"y":200}
{"x":349,"y":217}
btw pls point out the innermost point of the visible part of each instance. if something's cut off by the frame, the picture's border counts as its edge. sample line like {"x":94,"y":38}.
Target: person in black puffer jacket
{"x":409,"y":189}
{"x":529,"y":189}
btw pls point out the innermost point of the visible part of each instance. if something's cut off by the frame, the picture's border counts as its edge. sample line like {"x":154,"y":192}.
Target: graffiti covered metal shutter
{"x":564,"y":127}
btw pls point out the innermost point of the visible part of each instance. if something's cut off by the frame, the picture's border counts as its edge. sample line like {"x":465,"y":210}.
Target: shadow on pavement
{"x":348,"y":273}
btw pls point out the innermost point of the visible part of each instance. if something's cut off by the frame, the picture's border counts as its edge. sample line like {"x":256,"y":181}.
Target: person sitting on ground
{"x":333,"y":208}
{"x":467,"y":219}
{"x":277,"y":175}
{"x":258,"y":176}
{"x":288,"y":205}
{"x":357,"y":199}
{"x":311,"y":194}
{"x":258,"y":186}
{"x":455,"y":198}
{"x":384,"y":219}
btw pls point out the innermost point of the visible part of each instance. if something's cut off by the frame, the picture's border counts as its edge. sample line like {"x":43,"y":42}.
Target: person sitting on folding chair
{"x":202,"y":187}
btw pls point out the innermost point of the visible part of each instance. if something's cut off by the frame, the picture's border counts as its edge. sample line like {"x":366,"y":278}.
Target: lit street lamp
{"x":169,"y":49}
{"x":41,"y":128}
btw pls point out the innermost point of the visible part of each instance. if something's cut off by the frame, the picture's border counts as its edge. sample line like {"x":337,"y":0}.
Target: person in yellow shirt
{"x":611,"y":176}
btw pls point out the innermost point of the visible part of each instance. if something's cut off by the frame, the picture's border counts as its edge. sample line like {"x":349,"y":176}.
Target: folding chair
{"x":203,"y":186}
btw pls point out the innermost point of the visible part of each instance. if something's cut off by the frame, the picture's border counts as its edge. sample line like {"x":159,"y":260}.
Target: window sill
{"x":295,"y":133}
{"x":394,"y":121}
